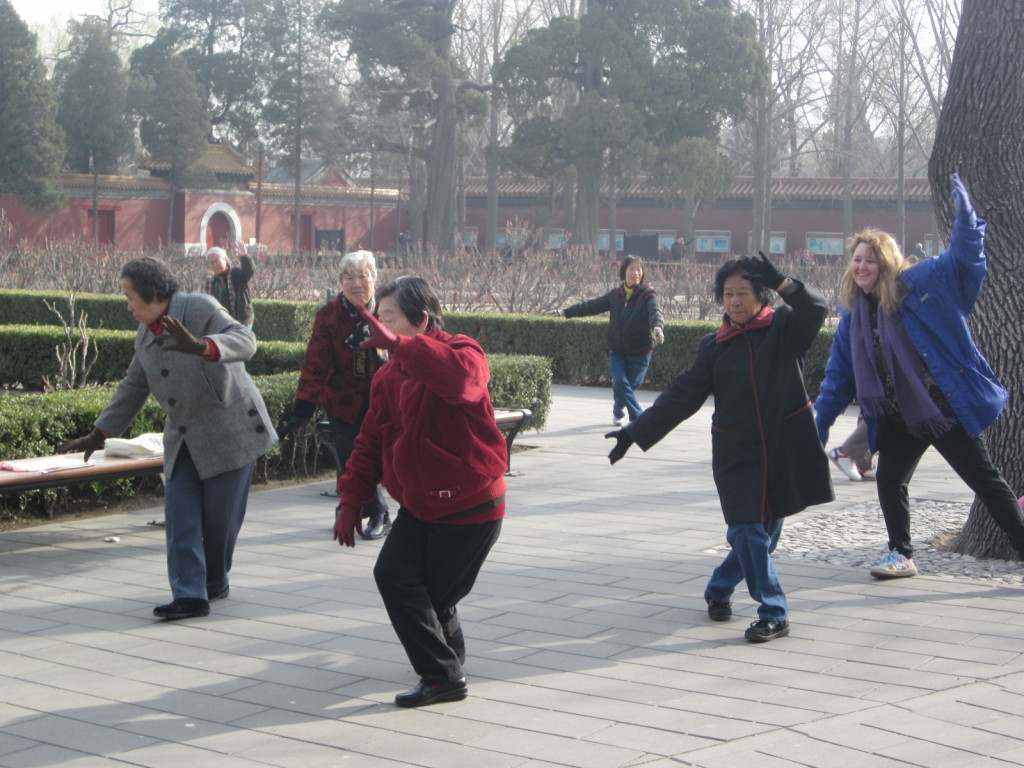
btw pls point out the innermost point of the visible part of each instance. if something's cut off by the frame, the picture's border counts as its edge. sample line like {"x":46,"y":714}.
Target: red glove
{"x":347,"y":521}
{"x":380,"y":336}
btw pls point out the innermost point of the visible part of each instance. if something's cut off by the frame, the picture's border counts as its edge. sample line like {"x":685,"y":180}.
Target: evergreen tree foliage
{"x":623,"y":82}
{"x":31,"y":142}
{"x":92,"y":89}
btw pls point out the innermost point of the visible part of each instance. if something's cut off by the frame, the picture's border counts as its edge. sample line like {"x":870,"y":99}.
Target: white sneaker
{"x":894,"y":566}
{"x":868,"y":474}
{"x":845,"y":463}
{"x":618,"y":421}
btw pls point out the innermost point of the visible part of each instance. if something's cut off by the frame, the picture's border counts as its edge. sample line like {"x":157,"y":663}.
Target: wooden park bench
{"x":511,"y":421}
{"x":101,"y":467}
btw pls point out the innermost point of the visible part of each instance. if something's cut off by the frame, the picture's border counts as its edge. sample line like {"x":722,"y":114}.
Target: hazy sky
{"x":42,"y":12}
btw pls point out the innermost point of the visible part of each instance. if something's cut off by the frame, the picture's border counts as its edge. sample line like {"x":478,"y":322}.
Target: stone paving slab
{"x":587,"y":636}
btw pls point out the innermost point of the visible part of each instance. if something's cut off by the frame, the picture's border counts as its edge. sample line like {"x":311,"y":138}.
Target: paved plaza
{"x":587,"y":637}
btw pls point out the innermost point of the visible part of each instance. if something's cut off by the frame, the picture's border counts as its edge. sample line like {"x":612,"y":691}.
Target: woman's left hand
{"x":380,"y":336}
{"x":659,"y":336}
{"x":962,"y":203}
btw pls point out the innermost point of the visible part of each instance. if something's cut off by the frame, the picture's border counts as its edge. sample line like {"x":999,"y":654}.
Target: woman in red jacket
{"x":430,"y":437}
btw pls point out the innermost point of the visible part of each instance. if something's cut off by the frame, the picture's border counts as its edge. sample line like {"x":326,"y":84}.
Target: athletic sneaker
{"x":894,"y":566}
{"x":845,"y":463}
{"x":618,"y":421}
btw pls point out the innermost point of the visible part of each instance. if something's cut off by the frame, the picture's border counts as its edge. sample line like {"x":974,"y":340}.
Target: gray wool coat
{"x":213,"y":407}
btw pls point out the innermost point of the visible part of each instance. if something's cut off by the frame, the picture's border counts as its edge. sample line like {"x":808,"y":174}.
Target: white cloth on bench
{"x":147,"y":446}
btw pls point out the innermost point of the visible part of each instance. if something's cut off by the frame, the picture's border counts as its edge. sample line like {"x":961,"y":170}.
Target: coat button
{"x":182,"y":430}
{"x":159,"y":341}
{"x":253,"y":411}
{"x":171,"y":401}
{"x":165,"y":372}
{"x":261,"y":429}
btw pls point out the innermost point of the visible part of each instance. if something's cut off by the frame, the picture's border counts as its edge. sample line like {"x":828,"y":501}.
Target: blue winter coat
{"x":940,"y":295}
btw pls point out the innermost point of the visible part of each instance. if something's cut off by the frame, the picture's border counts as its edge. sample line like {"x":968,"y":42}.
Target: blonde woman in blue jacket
{"x":903,"y":349}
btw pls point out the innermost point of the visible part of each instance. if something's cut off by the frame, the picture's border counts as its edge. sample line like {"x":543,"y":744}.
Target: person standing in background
{"x":636,"y":326}
{"x":229,"y":284}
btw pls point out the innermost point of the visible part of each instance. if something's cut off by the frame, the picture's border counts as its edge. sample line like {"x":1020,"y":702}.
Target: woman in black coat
{"x":636,"y":326}
{"x":767,"y":460}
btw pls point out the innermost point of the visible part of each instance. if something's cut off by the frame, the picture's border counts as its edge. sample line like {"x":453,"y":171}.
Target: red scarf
{"x":729,"y":329}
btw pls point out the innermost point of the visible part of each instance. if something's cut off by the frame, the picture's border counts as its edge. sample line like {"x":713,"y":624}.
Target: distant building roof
{"x":222,"y":159}
{"x":311,"y":170}
{"x":124,"y":183}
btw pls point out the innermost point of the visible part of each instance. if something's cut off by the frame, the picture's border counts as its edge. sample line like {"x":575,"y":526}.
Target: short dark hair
{"x":416,"y":300}
{"x":151,"y":278}
{"x":626,"y":262}
{"x":735,"y":267}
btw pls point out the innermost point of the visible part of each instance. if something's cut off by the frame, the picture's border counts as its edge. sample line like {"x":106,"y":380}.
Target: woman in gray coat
{"x":190,"y":355}
{"x":766,"y":457}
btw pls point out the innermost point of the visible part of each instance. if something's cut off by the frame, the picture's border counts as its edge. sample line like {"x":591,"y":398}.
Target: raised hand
{"x":762,"y":271}
{"x":380,"y":336}
{"x":185,"y":342}
{"x":962,"y":202}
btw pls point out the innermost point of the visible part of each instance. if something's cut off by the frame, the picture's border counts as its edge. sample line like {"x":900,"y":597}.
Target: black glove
{"x":622,"y":443}
{"x":962,"y":203}
{"x":762,"y":271}
{"x":185,"y":341}
{"x":304,"y":410}
{"x":90,"y":443}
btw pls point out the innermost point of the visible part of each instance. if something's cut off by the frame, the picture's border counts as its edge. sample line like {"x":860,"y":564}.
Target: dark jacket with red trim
{"x":335,"y":373}
{"x":430,"y":434}
{"x":766,"y":457}
{"x":631,"y":323}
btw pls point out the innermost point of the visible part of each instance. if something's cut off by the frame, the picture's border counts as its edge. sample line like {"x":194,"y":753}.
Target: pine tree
{"x":31,"y":143}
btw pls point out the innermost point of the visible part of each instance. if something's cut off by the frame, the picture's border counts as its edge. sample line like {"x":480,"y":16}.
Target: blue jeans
{"x":202,"y":520}
{"x":628,"y":373}
{"x":751,"y":558}
{"x":344,"y":435}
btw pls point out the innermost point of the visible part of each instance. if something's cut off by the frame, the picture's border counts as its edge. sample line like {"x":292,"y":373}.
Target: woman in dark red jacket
{"x":336,"y":373}
{"x":430,"y":436}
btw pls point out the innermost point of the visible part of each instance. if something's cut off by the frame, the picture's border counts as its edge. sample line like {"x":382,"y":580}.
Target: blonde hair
{"x":889,"y":288}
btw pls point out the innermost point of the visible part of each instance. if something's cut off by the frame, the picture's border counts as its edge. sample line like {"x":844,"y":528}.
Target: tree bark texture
{"x":980,"y":135}
{"x":441,"y":169}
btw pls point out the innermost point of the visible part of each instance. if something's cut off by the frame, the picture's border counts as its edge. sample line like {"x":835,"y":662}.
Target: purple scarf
{"x":922,"y":416}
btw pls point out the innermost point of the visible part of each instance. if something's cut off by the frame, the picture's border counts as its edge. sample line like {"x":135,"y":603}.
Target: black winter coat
{"x":631,"y":322}
{"x":766,"y":457}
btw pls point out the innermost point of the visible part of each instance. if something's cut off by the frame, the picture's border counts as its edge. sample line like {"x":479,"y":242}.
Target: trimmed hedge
{"x":578,"y":348}
{"x":35,"y":424}
{"x":275,"y":320}
{"x":27,"y":355}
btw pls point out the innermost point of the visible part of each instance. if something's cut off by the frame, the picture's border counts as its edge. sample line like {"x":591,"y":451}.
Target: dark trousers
{"x":344,"y":436}
{"x":202,"y":521}
{"x":899,"y":453}
{"x":423,"y":571}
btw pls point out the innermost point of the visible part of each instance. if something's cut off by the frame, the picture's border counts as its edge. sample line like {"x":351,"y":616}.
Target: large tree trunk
{"x":441,"y":173}
{"x":588,"y":199}
{"x":981,"y":136}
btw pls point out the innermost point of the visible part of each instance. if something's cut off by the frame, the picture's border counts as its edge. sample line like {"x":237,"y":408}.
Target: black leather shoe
{"x":377,"y":526}
{"x":424,"y":694}
{"x":183,"y":608}
{"x":718,"y":611}
{"x":762,"y":631}
{"x":220,"y":595}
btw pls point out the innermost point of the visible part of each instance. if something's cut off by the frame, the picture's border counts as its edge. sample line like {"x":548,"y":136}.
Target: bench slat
{"x":105,"y":468}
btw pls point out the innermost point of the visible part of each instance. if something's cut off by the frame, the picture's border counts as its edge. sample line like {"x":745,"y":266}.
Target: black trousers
{"x":422,"y":572}
{"x":899,"y":453}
